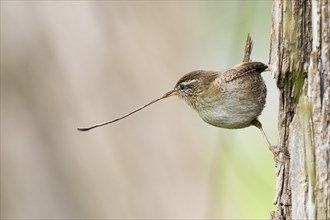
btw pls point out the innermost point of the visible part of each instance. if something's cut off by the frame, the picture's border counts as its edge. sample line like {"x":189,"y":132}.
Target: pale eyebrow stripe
{"x":189,"y":82}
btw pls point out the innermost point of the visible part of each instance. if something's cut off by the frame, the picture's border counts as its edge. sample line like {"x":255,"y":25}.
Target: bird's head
{"x":192,"y":86}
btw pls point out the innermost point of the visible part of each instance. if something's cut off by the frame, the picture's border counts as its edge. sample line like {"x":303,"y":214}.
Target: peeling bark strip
{"x":300,"y":61}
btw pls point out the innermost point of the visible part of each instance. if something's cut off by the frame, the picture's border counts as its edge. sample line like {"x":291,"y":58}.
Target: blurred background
{"x":77,"y":63}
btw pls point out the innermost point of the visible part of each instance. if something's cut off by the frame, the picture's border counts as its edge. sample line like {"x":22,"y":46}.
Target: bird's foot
{"x":279,"y":155}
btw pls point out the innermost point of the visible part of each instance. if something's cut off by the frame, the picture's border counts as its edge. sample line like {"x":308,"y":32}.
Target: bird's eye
{"x":182,"y":86}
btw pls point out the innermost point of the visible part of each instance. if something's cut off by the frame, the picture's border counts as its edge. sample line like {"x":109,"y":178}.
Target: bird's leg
{"x":281,"y":160}
{"x":272,"y":148}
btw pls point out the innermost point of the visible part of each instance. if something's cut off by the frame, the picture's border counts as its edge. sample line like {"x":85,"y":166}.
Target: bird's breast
{"x":233,"y":107}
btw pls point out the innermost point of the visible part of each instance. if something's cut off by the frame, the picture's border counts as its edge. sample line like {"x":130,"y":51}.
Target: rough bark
{"x":300,"y":62}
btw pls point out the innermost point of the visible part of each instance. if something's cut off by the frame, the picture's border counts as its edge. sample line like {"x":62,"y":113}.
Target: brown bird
{"x":232,"y":99}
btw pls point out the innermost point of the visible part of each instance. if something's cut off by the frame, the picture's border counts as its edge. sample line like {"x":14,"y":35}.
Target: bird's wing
{"x":244,"y":69}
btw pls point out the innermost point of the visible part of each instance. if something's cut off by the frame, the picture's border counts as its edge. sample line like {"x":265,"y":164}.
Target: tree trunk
{"x":300,"y":62}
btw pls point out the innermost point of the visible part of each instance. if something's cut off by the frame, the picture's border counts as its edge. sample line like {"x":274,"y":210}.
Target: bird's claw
{"x":279,"y":155}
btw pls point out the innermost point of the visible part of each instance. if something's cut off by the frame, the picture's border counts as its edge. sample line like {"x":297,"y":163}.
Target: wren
{"x":231,"y":99}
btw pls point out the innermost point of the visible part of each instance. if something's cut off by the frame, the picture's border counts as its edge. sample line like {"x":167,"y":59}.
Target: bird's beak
{"x":170,"y":93}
